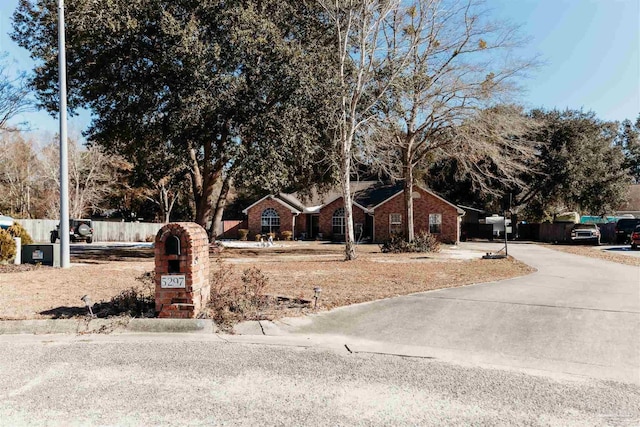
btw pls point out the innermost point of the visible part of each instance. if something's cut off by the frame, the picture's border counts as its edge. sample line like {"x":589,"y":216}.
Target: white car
{"x":5,"y":221}
{"x":585,"y":233}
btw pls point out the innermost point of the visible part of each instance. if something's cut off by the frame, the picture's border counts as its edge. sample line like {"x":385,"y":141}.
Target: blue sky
{"x":591,"y":49}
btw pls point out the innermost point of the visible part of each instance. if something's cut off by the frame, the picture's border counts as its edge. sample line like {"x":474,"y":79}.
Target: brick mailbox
{"x":182,"y":270}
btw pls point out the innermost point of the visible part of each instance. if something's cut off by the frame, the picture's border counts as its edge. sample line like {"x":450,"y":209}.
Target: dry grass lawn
{"x":294,"y":272}
{"x":592,"y":252}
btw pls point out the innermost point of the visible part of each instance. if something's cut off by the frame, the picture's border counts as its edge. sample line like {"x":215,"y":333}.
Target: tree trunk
{"x":202,"y":185}
{"x":219,"y":211}
{"x":349,"y":244}
{"x":408,"y":196}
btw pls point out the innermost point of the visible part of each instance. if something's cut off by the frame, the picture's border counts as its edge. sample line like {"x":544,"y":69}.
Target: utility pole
{"x":65,"y":258}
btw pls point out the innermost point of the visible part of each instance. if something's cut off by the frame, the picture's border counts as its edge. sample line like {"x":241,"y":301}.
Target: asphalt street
{"x":182,"y":379}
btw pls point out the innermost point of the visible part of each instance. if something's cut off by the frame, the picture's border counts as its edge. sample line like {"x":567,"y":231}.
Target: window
{"x":338,"y":222}
{"x":435,"y":223}
{"x":395,"y":223}
{"x":270,"y":221}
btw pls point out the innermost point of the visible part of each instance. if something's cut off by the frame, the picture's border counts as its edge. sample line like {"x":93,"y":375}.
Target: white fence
{"x":103,"y":231}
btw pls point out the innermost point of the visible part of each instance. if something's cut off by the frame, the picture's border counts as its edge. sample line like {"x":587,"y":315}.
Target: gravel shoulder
{"x":596,"y":252}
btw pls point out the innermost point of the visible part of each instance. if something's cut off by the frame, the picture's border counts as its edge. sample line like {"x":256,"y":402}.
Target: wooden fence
{"x":103,"y":231}
{"x":561,"y":232}
{"x":110,"y":231}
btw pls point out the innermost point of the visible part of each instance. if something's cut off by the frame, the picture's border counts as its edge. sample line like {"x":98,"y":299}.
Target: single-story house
{"x":378,"y":212}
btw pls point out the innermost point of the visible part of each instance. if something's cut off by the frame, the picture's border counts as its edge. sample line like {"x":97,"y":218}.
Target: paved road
{"x":177,"y":380}
{"x":576,"y":315}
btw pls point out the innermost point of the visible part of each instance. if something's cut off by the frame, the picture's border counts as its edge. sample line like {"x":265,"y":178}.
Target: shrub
{"x":425,"y":242}
{"x":17,"y":230}
{"x":422,"y":242}
{"x":272,"y":235}
{"x":7,"y":246}
{"x":243,"y":233}
{"x":150,"y":238}
{"x":235,"y":299}
{"x":258,"y":237}
{"x":136,"y":301}
{"x":286,"y":235}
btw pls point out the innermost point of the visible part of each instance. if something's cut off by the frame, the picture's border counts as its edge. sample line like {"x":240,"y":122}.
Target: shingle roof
{"x":367,"y":194}
{"x":377,"y":193}
{"x":312,"y":201}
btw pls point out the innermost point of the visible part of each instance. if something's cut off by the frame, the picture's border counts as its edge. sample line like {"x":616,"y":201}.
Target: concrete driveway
{"x":575,"y":315}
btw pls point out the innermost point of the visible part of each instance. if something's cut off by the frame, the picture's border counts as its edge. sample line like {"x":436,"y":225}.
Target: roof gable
{"x":284,"y":203}
{"x":367,"y":195}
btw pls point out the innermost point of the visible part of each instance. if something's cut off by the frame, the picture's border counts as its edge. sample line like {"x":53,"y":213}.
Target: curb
{"x":106,"y":326}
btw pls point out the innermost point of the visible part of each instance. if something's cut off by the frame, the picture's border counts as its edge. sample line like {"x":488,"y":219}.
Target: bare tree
{"x":441,"y":106}
{"x":165,"y":192}
{"x":92,"y":174}
{"x":367,"y":68}
{"x":19,"y":169}
{"x":14,"y":97}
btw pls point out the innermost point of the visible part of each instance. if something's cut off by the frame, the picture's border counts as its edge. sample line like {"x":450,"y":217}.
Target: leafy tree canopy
{"x":578,"y":167}
{"x":228,"y":88}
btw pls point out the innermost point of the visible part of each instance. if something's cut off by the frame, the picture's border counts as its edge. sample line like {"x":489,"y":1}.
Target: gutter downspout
{"x":293,"y":225}
{"x":373,"y":228}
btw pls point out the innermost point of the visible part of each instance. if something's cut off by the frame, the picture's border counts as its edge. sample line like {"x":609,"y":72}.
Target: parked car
{"x":624,"y":228}
{"x":5,"y":221}
{"x":79,"y":229}
{"x":585,"y":233}
{"x":635,"y":237}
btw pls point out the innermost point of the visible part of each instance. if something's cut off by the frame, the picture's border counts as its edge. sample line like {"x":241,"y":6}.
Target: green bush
{"x":17,"y":230}
{"x":243,"y":233}
{"x":7,"y":246}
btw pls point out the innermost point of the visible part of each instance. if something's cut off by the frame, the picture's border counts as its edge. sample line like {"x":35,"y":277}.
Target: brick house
{"x":378,"y":211}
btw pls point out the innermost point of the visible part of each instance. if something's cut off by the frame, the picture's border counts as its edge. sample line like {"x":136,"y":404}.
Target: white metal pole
{"x":65,"y":259}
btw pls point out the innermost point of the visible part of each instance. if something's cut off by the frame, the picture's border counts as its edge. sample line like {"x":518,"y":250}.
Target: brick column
{"x":185,"y":289}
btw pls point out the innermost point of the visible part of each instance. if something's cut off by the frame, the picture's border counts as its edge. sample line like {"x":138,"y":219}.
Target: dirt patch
{"x":13,"y":268}
{"x":592,"y":252}
{"x":48,"y":293}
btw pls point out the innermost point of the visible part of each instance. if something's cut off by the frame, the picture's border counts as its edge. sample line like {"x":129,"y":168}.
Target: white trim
{"x":386,"y":200}
{"x":245,"y":210}
{"x":391,"y":224}
{"x":460,"y":211}
{"x":353,"y":203}
{"x":272,"y":197}
{"x":361,"y":207}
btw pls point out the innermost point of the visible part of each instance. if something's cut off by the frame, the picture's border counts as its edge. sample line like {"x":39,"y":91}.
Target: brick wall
{"x":423,"y":206}
{"x":193,"y":262}
{"x":301,"y":225}
{"x":254,"y":217}
{"x":326,"y":217}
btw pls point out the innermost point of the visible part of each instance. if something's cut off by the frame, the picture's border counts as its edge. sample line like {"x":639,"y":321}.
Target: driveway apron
{"x":575,"y":315}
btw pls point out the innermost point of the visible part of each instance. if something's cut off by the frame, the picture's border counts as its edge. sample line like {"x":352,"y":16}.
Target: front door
{"x":314,"y":226}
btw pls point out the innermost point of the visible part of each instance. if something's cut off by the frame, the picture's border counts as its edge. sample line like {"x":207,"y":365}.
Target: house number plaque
{"x":173,"y":281}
